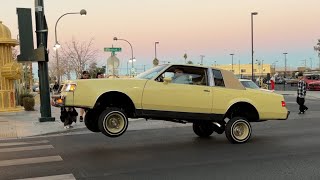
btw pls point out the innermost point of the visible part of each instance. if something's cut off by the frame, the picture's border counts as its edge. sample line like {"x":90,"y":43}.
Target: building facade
{"x":245,"y":70}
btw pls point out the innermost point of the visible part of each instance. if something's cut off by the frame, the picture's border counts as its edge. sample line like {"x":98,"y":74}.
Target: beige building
{"x":245,"y":70}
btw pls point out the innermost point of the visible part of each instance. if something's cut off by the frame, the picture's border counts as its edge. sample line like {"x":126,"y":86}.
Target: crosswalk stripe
{"x":27,"y":148}
{"x":57,"y":177}
{"x":29,"y":161}
{"x":23,"y":143}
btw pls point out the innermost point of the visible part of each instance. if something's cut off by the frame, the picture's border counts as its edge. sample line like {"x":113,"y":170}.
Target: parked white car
{"x":250,"y":84}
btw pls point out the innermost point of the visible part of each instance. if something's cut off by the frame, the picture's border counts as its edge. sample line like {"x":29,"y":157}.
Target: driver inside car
{"x":179,"y":77}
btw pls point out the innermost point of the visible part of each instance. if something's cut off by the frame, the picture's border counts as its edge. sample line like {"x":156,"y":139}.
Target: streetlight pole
{"x":285,"y":65}
{"x":262,"y":67}
{"x":215,"y":63}
{"x":116,"y":39}
{"x":127,"y":68}
{"x":252,"y":14}
{"x":232,"y":61}
{"x":239,"y":68}
{"x":275,"y":63}
{"x":155,"y":49}
{"x":202,"y":56}
{"x":57,"y":45}
{"x":285,"y":70}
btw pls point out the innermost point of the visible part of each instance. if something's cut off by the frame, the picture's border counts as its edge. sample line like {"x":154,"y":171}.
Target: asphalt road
{"x":277,"y":150}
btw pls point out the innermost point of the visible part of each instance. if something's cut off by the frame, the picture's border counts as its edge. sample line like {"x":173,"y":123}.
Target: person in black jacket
{"x":301,"y":94}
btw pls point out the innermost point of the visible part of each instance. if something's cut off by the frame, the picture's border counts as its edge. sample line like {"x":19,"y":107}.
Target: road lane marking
{"x":23,"y":143}
{"x":27,"y":148}
{"x":57,"y":177}
{"x":30,"y":161}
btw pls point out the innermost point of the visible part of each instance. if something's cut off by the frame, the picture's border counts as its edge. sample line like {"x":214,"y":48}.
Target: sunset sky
{"x":206,"y":27}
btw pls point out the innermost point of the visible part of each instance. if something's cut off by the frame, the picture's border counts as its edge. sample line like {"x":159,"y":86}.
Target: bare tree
{"x":77,"y":55}
{"x":65,"y":67}
{"x":52,"y":67}
{"x":15,"y":52}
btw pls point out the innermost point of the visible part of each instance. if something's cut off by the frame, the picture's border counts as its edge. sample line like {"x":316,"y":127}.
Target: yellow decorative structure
{"x":9,"y":71}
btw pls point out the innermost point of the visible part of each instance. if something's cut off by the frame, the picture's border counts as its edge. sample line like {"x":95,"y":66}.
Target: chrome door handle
{"x":206,"y":90}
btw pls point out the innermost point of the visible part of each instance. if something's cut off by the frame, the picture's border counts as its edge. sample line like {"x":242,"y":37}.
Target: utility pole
{"x":304,"y":64}
{"x":202,"y":56}
{"x":42,"y":35}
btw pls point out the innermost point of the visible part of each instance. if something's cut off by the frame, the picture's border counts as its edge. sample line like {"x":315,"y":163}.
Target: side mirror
{"x":167,"y":80}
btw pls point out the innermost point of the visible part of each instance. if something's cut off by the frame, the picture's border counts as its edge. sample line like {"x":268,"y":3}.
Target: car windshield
{"x":250,"y":84}
{"x":151,"y":73}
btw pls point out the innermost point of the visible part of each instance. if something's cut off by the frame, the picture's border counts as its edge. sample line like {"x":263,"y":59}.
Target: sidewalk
{"x":26,"y":123}
{"x":315,"y":95}
{"x":22,"y":124}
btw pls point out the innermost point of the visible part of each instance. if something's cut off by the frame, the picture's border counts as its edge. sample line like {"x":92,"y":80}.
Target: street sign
{"x":112,"y":49}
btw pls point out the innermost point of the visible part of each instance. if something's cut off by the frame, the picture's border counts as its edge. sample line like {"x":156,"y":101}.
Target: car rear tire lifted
{"x":237,"y":129}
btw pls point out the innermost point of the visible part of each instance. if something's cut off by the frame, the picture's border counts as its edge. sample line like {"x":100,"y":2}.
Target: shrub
{"x":28,"y":103}
{"x":23,"y":96}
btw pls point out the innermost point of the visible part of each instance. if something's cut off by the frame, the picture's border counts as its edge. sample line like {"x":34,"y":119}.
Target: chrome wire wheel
{"x":114,"y":122}
{"x":240,"y":130}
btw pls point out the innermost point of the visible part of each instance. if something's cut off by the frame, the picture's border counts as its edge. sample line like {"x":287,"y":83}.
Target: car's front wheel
{"x":238,"y":130}
{"x":203,"y":129}
{"x":113,"y":122}
{"x":91,"y":120}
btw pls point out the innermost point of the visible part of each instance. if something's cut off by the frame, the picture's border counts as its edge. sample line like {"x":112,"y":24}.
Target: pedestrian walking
{"x":272,"y":82}
{"x":301,"y":94}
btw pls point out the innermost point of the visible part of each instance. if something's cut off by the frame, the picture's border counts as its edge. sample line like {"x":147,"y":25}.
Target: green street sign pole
{"x":42,"y":33}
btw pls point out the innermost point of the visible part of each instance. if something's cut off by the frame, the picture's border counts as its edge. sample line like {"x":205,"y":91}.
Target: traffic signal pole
{"x":42,"y":37}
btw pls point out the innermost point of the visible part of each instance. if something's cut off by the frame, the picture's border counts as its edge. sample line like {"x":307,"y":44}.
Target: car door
{"x":195,"y":97}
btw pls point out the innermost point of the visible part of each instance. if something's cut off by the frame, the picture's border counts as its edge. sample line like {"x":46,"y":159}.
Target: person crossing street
{"x":301,"y":94}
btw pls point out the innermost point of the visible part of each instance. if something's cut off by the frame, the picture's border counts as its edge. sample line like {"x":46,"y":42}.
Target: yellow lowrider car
{"x":212,"y":99}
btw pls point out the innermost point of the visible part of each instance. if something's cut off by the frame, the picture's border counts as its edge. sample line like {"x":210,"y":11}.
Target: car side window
{"x":199,"y":77}
{"x":168,"y":74}
{"x":218,"y":79}
{"x":185,"y":75}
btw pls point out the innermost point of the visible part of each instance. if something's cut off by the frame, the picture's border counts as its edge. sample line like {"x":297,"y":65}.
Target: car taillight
{"x":283,"y":103}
